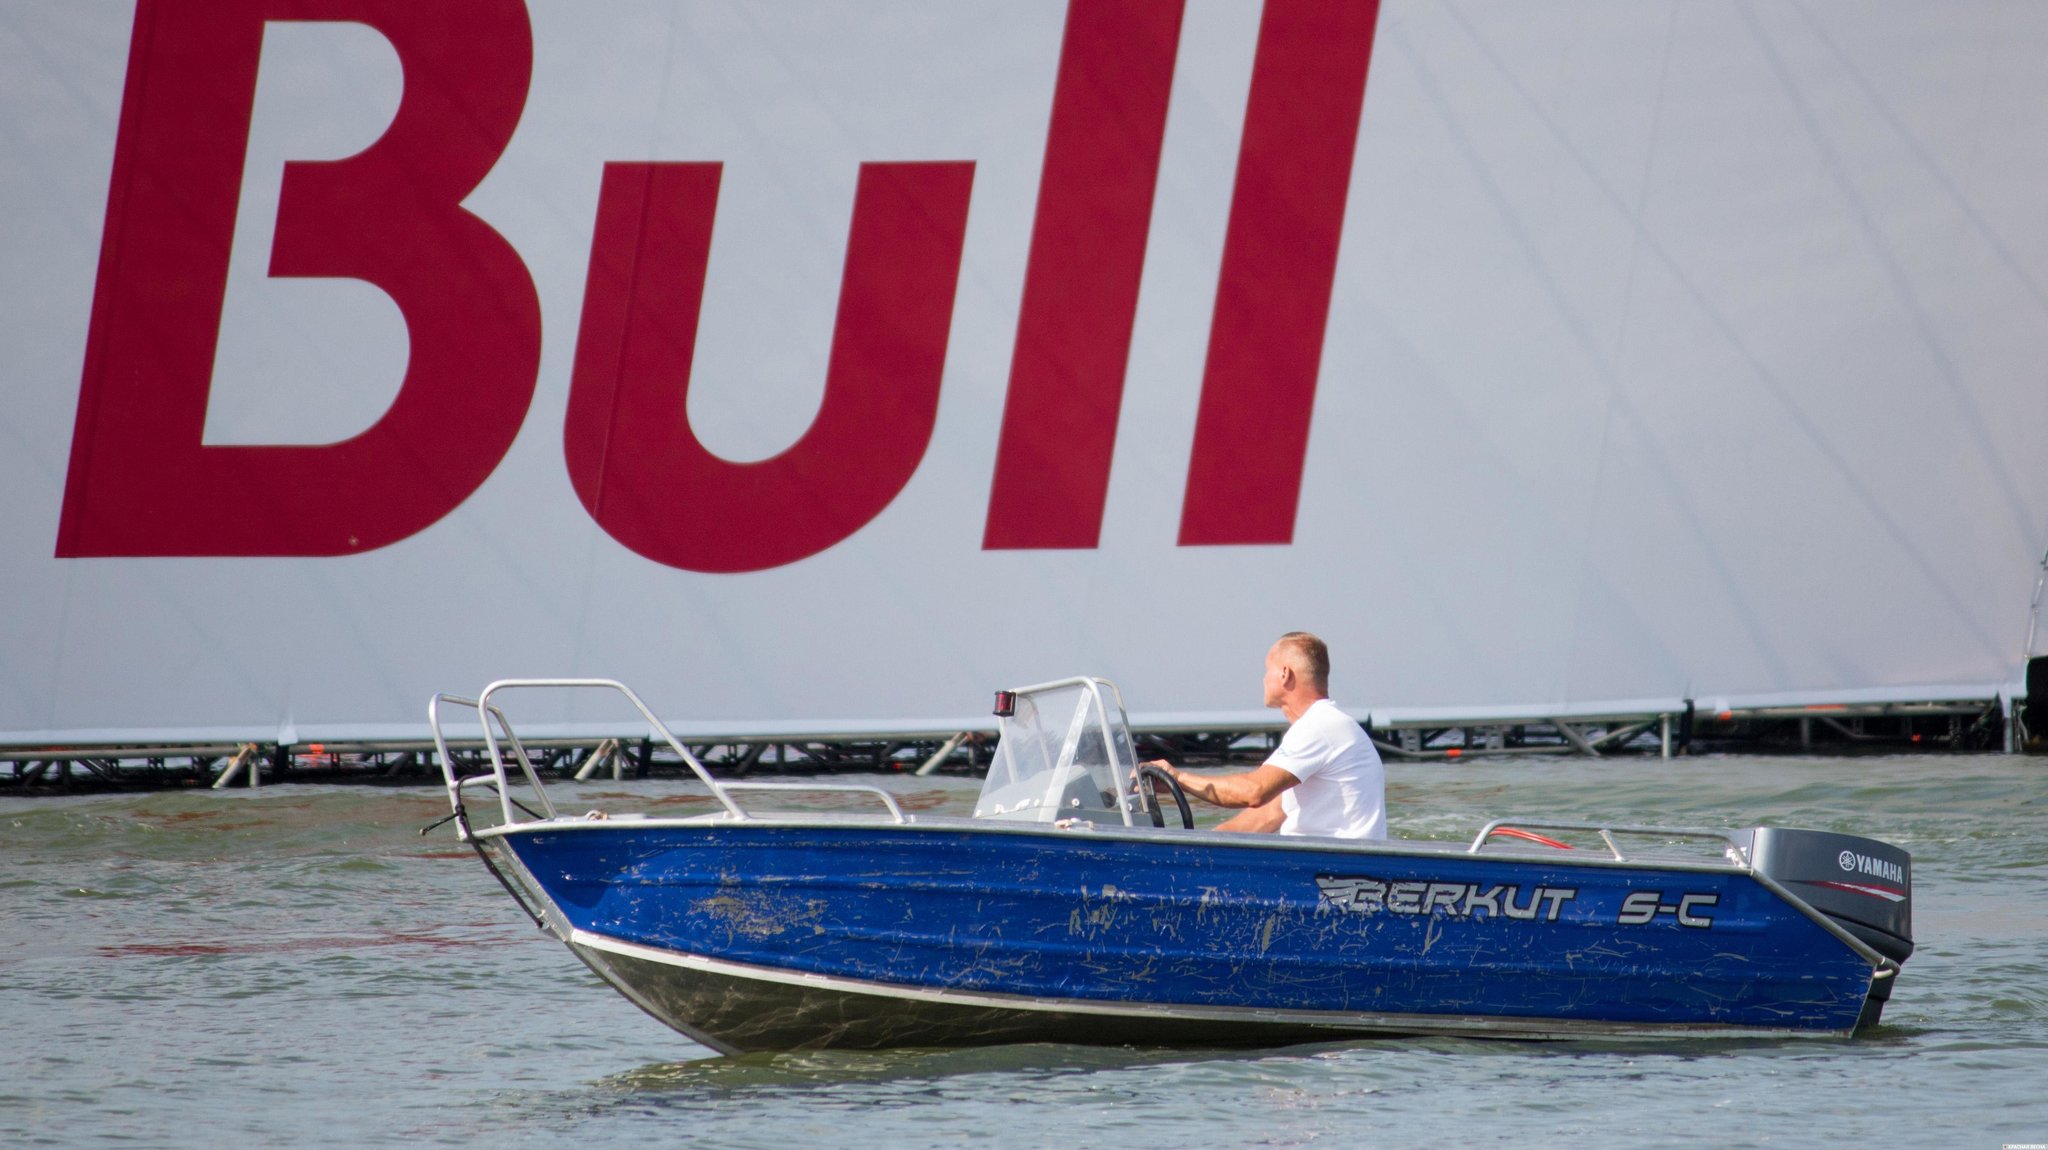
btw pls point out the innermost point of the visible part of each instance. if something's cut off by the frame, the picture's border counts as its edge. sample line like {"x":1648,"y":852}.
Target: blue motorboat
{"x":1066,"y":910}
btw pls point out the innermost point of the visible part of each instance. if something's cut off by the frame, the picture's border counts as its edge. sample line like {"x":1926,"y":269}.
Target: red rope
{"x":1532,"y":836}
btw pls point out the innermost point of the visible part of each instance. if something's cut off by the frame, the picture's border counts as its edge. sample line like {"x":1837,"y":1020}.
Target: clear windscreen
{"x":1065,"y":753}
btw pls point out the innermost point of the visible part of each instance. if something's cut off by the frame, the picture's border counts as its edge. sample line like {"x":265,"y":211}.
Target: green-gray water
{"x":296,"y":965}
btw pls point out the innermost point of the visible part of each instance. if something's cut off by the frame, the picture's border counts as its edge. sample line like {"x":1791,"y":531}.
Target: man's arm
{"x":1255,"y":788}
{"x":1262,"y":819}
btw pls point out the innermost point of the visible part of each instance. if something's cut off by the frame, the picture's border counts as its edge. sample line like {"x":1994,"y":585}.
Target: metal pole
{"x":946,"y":748}
{"x":242,"y":758}
{"x":607,"y":748}
{"x":1575,"y":738}
{"x":1664,"y":736}
{"x":2034,"y":610}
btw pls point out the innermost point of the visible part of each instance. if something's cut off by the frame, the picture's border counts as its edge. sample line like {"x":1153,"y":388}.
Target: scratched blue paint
{"x":1067,"y":915}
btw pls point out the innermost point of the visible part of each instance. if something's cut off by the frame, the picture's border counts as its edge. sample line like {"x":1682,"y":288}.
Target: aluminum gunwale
{"x":914,"y":824}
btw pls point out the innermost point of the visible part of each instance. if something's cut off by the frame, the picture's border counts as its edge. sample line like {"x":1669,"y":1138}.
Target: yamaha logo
{"x":1877,"y":868}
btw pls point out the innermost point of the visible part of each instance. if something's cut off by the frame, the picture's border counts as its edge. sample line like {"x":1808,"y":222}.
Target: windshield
{"x":1065,"y":753}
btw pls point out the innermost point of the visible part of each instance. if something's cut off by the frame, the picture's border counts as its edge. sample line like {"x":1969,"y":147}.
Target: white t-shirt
{"x":1343,"y":785}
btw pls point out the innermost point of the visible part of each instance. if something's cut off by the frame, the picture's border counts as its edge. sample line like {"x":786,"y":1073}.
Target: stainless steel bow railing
{"x":496,"y":728}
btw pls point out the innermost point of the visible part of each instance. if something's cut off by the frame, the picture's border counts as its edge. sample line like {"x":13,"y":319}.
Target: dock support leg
{"x":939,"y":757}
{"x":1664,"y":736}
{"x":608,"y":749}
{"x":1576,"y":738}
{"x":245,"y":757}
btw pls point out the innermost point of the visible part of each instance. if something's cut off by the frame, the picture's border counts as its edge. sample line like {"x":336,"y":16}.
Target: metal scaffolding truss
{"x":1964,"y":725}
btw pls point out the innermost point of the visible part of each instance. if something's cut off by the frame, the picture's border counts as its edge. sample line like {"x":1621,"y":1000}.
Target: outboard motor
{"x":1865,"y":886}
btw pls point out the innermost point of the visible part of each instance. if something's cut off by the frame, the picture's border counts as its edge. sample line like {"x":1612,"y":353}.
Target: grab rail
{"x":1736,"y":853}
{"x":488,"y":715}
{"x":497,"y":777}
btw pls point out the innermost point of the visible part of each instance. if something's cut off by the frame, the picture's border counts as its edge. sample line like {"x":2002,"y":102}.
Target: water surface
{"x":298,"y":965}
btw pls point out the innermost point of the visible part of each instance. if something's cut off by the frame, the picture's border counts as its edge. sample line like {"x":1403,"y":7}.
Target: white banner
{"x":824,"y":367}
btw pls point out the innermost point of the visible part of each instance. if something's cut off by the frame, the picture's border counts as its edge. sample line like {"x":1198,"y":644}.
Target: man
{"x":1325,"y":778}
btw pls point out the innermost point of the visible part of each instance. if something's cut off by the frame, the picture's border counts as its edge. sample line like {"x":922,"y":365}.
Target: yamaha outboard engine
{"x":1864,"y":885}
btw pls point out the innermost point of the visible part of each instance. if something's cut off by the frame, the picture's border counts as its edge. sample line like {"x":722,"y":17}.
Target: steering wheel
{"x":1180,"y":798}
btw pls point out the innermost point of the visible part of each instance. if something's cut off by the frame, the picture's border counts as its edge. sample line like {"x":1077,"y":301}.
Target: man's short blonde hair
{"x":1309,"y":656}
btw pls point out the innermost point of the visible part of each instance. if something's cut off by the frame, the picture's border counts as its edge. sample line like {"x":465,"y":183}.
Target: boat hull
{"x":762,"y":936}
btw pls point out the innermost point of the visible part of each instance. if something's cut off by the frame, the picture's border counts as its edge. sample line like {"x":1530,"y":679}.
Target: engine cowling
{"x":1863,"y":885}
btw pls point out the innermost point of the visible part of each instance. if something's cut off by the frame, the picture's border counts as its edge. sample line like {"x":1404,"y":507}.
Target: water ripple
{"x":298,"y":965}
